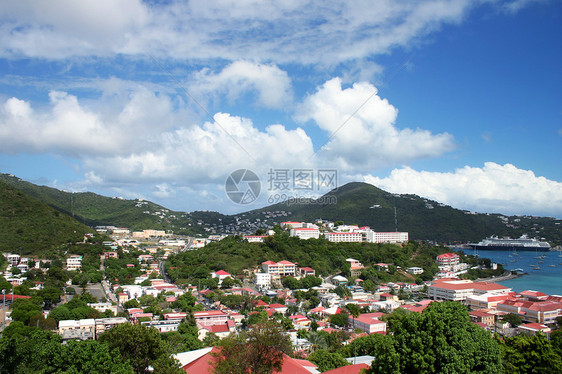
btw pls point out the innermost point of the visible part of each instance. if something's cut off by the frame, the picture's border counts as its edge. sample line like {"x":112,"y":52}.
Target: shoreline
{"x":501,"y":278}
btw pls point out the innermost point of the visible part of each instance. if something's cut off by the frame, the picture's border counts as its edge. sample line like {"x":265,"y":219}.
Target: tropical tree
{"x":259,"y":350}
{"x":142,"y":346}
{"x":530,"y":354}
{"x":442,"y":339}
{"x":327,"y":360}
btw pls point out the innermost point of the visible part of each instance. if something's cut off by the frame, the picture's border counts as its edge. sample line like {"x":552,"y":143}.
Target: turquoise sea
{"x":547,"y":279}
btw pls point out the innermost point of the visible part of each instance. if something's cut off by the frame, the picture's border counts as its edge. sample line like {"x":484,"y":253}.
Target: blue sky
{"x":455,"y":100}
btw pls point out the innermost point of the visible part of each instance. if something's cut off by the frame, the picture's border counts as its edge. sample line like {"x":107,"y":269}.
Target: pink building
{"x":369,"y":323}
{"x":210,"y":317}
{"x":448,"y":259}
{"x":282,"y":268}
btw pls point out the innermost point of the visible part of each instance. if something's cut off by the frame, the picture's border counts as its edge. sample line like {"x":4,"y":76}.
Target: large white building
{"x":460,"y":290}
{"x":386,"y":237}
{"x":305,"y":233}
{"x":347,"y":237}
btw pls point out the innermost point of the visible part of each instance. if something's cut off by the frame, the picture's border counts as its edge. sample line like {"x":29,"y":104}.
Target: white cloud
{"x":288,"y":31}
{"x":206,"y":153}
{"x":131,"y":134}
{"x":516,"y":5}
{"x":69,"y":127}
{"x":363,"y":135}
{"x":272,"y":84}
{"x":492,"y":189}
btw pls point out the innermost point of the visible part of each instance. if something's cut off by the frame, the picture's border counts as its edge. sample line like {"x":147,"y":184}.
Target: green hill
{"x":353,"y":203}
{"x":28,"y":225}
{"x":96,"y":210}
{"x":424,"y":219}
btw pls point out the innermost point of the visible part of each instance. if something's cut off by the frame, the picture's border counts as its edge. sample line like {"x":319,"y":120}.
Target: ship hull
{"x":508,"y":248}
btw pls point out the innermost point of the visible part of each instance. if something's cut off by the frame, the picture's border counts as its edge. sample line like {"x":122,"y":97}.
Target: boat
{"x":524,"y":243}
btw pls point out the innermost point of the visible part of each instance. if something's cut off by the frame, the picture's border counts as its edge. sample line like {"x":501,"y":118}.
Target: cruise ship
{"x":524,"y":243}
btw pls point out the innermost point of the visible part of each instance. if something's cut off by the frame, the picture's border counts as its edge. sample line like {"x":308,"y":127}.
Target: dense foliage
{"x":24,"y":351}
{"x":30,"y":226}
{"x":423,"y":219}
{"x":257,"y":350}
{"x":234,"y":255}
{"x":93,"y":209}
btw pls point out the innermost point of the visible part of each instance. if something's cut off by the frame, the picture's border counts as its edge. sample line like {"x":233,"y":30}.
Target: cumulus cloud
{"x":493,"y":188}
{"x":288,"y":31}
{"x":68,"y":127}
{"x":363,"y":134}
{"x":272,"y":85}
{"x":210,"y":152}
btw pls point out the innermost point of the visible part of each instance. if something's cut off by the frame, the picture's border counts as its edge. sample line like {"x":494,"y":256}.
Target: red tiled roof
{"x":285,"y":262}
{"x":205,"y":364}
{"x":277,"y":306}
{"x":349,"y":369}
{"x":477,"y":313}
{"x":448,"y":255}
{"x":533,"y":293}
{"x":11,"y":297}
{"x":534,"y":326}
{"x":221,"y":272}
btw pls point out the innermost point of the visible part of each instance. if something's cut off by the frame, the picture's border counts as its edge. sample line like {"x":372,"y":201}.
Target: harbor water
{"x":544,"y":269}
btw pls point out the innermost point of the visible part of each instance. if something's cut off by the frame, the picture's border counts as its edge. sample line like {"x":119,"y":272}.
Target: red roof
{"x":349,"y":369}
{"x":534,"y":326}
{"x":477,"y":313}
{"x":204,"y":364}
{"x":285,"y":262}
{"x":269,"y":263}
{"x":277,"y":306}
{"x":221,"y":272}
{"x":218,"y":328}
{"x":10,"y":297}
{"x":448,"y":255}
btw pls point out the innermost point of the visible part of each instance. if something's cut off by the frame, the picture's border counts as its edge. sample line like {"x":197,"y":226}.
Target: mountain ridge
{"x":353,"y":203}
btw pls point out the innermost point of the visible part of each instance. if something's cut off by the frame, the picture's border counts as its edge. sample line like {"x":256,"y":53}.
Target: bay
{"x":547,"y":279}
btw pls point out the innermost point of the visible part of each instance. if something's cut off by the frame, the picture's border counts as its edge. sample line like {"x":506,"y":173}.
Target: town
{"x":130,"y":282}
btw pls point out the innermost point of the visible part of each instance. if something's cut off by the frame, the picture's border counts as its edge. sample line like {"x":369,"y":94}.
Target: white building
{"x":305,"y":233}
{"x":386,"y":237}
{"x":460,"y":290}
{"x":74,"y":263}
{"x":281,"y":268}
{"x":414,"y":270}
{"x":13,"y":259}
{"x":263,"y":280}
{"x":292,"y":225}
{"x":255,"y":238}
{"x":347,"y":237}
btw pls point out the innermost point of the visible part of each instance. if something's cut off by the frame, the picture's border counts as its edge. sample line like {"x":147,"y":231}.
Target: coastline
{"x":506,"y":276}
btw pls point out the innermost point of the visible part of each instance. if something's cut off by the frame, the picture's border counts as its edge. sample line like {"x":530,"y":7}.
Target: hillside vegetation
{"x":424,"y":219}
{"x":353,"y":203}
{"x":97,"y":210}
{"x":235,"y":255}
{"x":28,"y":225}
